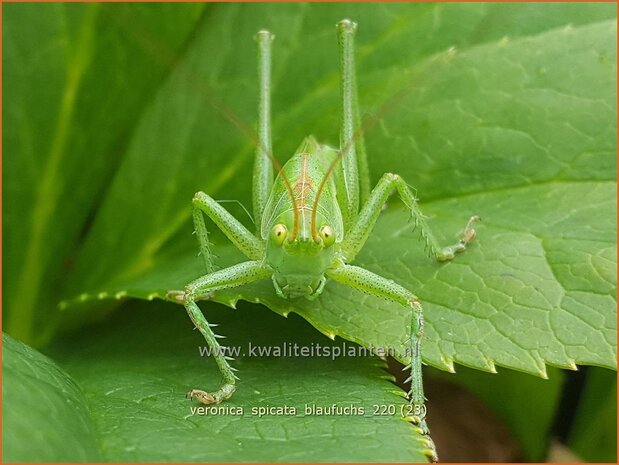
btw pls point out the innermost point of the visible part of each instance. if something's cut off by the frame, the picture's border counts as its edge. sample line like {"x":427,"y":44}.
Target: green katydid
{"x":310,"y":226}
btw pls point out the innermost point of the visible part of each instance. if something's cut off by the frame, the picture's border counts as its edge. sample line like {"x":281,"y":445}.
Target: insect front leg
{"x":233,"y":276}
{"x":244,"y":240}
{"x":371,"y":283}
{"x":358,"y":234}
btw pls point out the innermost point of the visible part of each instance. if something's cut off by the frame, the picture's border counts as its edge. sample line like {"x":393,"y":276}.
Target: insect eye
{"x":327,"y":235}
{"x":279,"y":234}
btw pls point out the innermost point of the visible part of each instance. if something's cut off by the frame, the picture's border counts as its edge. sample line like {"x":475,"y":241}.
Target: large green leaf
{"x":73,"y":89}
{"x":517,"y":127}
{"x":112,"y":121}
{"x":44,"y":413}
{"x":135,"y":371}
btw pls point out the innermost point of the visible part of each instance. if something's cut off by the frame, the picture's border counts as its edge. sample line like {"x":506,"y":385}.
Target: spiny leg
{"x":358,"y":234}
{"x":233,"y":276}
{"x":371,"y":283}
{"x":263,"y":167}
{"x":246,"y":242}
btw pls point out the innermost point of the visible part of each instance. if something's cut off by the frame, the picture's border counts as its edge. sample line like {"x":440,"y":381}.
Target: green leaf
{"x":75,"y":84}
{"x":44,"y":413}
{"x":135,"y":371}
{"x":503,"y":127}
{"x":113,"y":119}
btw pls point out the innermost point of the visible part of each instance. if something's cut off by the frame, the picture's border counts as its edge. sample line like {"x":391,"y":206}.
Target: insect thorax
{"x":304,"y":171}
{"x":299,"y":261}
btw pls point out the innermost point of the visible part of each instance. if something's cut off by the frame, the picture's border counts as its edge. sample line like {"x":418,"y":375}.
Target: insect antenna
{"x":160,"y":52}
{"x":367,"y":124}
{"x":239,"y":203}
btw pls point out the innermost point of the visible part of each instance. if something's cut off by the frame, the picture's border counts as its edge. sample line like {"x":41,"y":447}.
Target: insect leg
{"x":371,"y":283}
{"x":362,"y":158}
{"x":233,"y":276}
{"x":263,"y":168}
{"x":357,"y":133}
{"x":246,"y":242}
{"x":347,"y":177}
{"x":359,"y":232}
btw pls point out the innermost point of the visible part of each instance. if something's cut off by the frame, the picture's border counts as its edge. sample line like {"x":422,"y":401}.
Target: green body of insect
{"x":310,"y":227}
{"x":299,"y":257}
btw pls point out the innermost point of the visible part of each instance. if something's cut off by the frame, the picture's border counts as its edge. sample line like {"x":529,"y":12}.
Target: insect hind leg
{"x":347,"y":177}
{"x":263,"y":166}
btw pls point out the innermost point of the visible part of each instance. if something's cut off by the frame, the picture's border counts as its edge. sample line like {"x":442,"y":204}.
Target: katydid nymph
{"x":311,"y":220}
